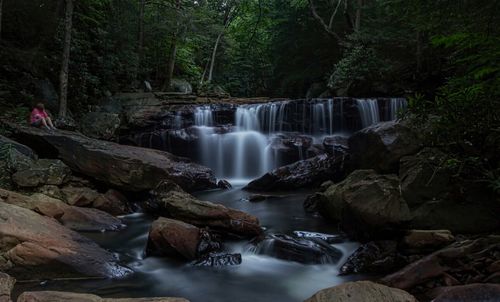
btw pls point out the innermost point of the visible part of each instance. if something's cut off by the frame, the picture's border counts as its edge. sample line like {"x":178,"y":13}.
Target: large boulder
{"x":34,"y":243}
{"x":304,"y":173}
{"x":173,"y":237}
{"x":170,"y":201}
{"x":42,"y":172}
{"x":424,"y":176}
{"x":25,"y":150}
{"x":130,"y":168}
{"x":76,"y":218}
{"x":101,"y":125}
{"x":365,"y":203}
{"x":382,"y":145}
{"x":361,"y":291}
{"x":55,"y":296}
{"x":6,"y":286}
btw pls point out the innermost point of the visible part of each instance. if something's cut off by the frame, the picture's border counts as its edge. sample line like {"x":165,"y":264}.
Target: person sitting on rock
{"x":39,"y":118}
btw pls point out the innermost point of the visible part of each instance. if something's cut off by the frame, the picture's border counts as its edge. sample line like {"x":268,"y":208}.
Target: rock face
{"x":305,"y":173}
{"x":365,"y":203}
{"x":361,"y":291}
{"x":30,"y":241}
{"x":171,"y":237}
{"x":76,"y":218}
{"x":54,"y":296}
{"x":6,"y":286}
{"x":42,"y":172}
{"x":130,"y":168}
{"x":171,"y":201}
{"x":101,"y":125}
{"x":382,"y":145}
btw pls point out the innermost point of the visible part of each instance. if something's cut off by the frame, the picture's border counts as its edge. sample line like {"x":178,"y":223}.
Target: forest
{"x":250,"y":150}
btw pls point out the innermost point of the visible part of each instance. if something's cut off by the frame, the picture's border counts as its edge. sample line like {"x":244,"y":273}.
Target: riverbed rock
{"x":42,"y":172}
{"x":172,"y":237}
{"x":171,"y":201}
{"x":365,"y":203}
{"x":377,"y":257}
{"x":34,"y":243}
{"x":76,"y":218}
{"x":361,"y":291}
{"x":381,"y":146}
{"x":112,"y":201}
{"x":303,"y":250}
{"x":304,"y":173}
{"x":129,"y":168}
{"x":468,"y":293}
{"x":424,"y":176}
{"x":218,"y":259}
{"x":55,"y":296}
{"x":6,"y":286}
{"x":101,"y":125}
{"x":427,"y":239}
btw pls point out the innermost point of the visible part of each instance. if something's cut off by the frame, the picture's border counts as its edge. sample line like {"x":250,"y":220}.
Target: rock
{"x":305,"y":173}
{"x":458,"y":217}
{"x":6,"y":286}
{"x":25,"y":150}
{"x":263,"y":197}
{"x":129,"y":168}
{"x":425,"y":239}
{"x":361,"y":291}
{"x":365,"y":204}
{"x":171,"y":201}
{"x":312,"y":201}
{"x":219,"y":260}
{"x":328,"y":238}
{"x":112,"y":201}
{"x":379,"y":257}
{"x":172,"y":237}
{"x":31,"y":241}
{"x":336,"y":145}
{"x":303,"y":250}
{"x":101,"y":125}
{"x":224,"y":184}
{"x":42,"y":172}
{"x":381,"y":146}
{"x":54,"y":296}
{"x":424,"y":176}
{"x":470,"y":292}
{"x":181,"y":85}
{"x":79,"y":219}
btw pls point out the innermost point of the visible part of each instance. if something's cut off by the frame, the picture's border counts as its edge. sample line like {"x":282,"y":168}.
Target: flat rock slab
{"x":54,"y":296}
{"x":129,"y":168}
{"x":29,"y":240}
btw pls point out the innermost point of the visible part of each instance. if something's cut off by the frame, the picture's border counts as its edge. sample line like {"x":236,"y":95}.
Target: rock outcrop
{"x":55,"y":296}
{"x":31,"y":242}
{"x":42,"y":172}
{"x":129,"y":168}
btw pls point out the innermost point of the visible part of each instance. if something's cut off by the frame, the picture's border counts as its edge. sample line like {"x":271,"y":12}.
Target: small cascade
{"x":369,"y":111}
{"x":203,"y":116}
{"x":396,"y":106}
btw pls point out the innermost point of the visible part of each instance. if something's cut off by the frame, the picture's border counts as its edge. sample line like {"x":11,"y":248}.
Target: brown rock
{"x":54,"y":296}
{"x":30,"y":240}
{"x":421,"y":239}
{"x":361,"y":291}
{"x":112,"y":201}
{"x":6,"y":286}
{"x":468,"y":293}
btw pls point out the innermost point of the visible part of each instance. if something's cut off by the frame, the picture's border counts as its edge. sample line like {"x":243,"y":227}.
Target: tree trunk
{"x":419,"y":52}
{"x":357,"y":22}
{"x":214,"y":54}
{"x":63,"y":77}
{"x":170,"y":64}
{"x":141,"y":29}
{"x":1,"y":5}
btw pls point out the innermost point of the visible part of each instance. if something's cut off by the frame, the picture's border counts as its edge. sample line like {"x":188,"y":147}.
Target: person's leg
{"x":44,"y":123}
{"x":49,"y":122}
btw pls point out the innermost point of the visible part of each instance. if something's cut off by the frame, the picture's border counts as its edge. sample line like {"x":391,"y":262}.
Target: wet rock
{"x":312,"y":201}
{"x":303,"y":250}
{"x":112,"y":201}
{"x":224,"y":184}
{"x":79,"y":219}
{"x":305,"y":173}
{"x":101,"y":125}
{"x":470,"y":292}
{"x":219,"y":260}
{"x":336,"y":145}
{"x":33,"y":242}
{"x":6,"y":286}
{"x":424,"y":176}
{"x":126,"y":167}
{"x":365,"y":204}
{"x":328,"y":238}
{"x":361,"y":291}
{"x":42,"y":172}
{"x":381,"y":146}
{"x":374,"y":257}
{"x":172,"y":237}
{"x":54,"y":296}
{"x":458,"y":217}
{"x":427,"y":239}
{"x":170,"y":201}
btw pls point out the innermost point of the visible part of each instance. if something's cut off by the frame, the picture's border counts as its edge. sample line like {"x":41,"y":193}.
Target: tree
{"x":63,"y":77}
{"x":1,"y":5}
{"x":173,"y":48}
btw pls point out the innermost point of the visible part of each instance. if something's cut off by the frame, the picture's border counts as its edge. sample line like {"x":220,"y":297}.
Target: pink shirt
{"x":37,"y":114}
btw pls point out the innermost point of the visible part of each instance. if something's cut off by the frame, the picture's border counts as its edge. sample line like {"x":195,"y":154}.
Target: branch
{"x":322,"y":22}
{"x":330,"y":25}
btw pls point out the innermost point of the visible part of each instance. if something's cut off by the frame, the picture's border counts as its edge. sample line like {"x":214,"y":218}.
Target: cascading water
{"x":369,"y":111}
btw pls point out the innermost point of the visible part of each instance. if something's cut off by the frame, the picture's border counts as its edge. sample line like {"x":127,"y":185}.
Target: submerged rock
{"x":55,"y":296}
{"x":129,"y":168}
{"x":219,"y":260}
{"x":361,"y":291}
{"x":33,"y":242}
{"x":305,"y":173}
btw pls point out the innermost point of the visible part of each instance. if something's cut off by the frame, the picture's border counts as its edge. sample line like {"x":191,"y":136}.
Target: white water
{"x":368,"y":110}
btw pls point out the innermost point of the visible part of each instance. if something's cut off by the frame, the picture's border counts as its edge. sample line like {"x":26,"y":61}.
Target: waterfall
{"x":203,"y":116}
{"x":368,"y":110}
{"x":397,"y":105}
